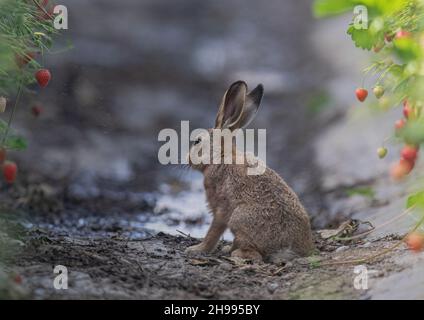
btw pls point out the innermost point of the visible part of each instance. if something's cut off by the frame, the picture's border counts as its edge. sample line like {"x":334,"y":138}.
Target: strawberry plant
{"x":26,"y":30}
{"x":394,"y":35}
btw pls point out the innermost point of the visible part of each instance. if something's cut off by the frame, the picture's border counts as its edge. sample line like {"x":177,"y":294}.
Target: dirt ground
{"x":107,"y":259}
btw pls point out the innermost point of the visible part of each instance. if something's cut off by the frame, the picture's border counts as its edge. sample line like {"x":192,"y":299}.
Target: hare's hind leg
{"x":244,"y":244}
{"x":242,"y":248}
{"x":248,"y":254}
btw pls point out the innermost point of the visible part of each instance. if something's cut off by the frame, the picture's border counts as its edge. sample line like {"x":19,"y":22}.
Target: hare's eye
{"x":197,"y":141}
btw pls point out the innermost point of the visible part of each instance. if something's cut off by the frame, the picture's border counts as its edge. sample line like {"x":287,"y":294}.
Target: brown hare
{"x":264,"y":214}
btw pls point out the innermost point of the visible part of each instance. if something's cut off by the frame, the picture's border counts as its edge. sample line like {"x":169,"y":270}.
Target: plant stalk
{"x":12,"y":114}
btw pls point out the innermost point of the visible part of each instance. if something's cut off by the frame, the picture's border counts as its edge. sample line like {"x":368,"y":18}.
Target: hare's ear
{"x":251,"y":107}
{"x":232,"y":104}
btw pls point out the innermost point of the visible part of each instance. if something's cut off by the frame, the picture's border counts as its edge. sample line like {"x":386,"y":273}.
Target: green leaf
{"x":407,"y":49}
{"x":416,"y":199}
{"x":327,"y":8}
{"x":13,"y":141}
{"x":16,"y":143}
{"x":413,"y":132}
{"x":362,"y":191}
{"x":363,"y":38}
{"x":314,"y":262}
{"x":387,"y":7}
{"x":3,"y":126}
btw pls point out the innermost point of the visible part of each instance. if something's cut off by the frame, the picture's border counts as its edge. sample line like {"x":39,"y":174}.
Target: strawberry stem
{"x":12,"y":114}
{"x":42,"y":9}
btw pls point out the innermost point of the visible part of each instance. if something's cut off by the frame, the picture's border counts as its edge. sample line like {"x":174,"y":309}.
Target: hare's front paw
{"x":198,"y":248}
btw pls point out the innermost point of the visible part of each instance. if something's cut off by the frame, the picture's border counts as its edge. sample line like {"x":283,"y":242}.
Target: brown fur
{"x":262,"y":211}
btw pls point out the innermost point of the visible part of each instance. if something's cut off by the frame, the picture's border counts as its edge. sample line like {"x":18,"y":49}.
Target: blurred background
{"x":137,"y":67}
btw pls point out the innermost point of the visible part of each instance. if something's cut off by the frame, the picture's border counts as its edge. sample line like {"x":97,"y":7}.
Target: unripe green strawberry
{"x":381,"y":152}
{"x":378,"y":91}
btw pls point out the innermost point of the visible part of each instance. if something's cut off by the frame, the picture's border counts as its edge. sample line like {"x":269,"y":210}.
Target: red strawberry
{"x":407,"y":109}
{"x":43,"y":77}
{"x":3,"y":155}
{"x":397,"y":172}
{"x":17,"y":279}
{"x":402,"y":34}
{"x":407,"y":165}
{"x":361,"y":94}
{"x":10,"y":170}
{"x":415,"y":241}
{"x":401,"y":169}
{"x":409,"y":153}
{"x":399,"y":124}
{"x":36,"y":110}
